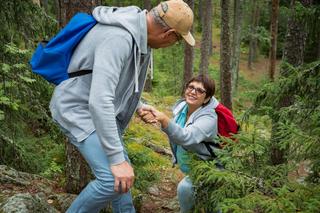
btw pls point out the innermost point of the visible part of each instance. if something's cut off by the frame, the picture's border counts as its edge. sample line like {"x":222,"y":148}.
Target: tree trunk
{"x":68,"y":8}
{"x":44,"y":4}
{"x":274,"y":33}
{"x":205,"y":41}
{"x":200,"y":15}
{"x":319,"y":45}
{"x":147,"y":4}
{"x":295,"y":43}
{"x":253,"y":43}
{"x":77,"y":171}
{"x":236,"y":42}
{"x":225,"y":54}
{"x":293,"y":54}
{"x":188,"y":56}
{"x":148,"y":84}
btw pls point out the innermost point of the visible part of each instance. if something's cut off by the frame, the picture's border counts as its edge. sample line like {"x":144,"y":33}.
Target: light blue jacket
{"x":104,"y":101}
{"x":201,"y":127}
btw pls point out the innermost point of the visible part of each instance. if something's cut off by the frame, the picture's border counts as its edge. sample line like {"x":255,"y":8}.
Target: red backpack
{"x":227,"y":126}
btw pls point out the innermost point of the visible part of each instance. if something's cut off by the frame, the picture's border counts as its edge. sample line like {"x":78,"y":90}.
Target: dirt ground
{"x":164,"y":200}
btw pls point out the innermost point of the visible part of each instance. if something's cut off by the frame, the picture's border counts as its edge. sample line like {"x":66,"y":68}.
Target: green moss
{"x":147,"y":164}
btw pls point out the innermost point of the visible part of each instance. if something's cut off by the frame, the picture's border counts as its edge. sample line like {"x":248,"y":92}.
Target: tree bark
{"x":205,"y":41}
{"x":293,"y":54}
{"x":147,"y":4}
{"x":200,"y":15}
{"x":236,"y":42}
{"x":295,"y":43}
{"x":78,"y":173}
{"x":188,"y":56}
{"x":253,"y":43}
{"x":274,"y":34}
{"x":225,"y":54}
{"x":318,"y":47}
{"x":44,"y":4}
{"x":68,"y":8}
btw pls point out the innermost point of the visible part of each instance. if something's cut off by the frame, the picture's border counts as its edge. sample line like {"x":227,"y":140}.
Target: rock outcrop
{"x":28,"y":193}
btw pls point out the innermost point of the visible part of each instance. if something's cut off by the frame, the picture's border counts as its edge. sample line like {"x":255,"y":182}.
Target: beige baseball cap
{"x":178,"y":16}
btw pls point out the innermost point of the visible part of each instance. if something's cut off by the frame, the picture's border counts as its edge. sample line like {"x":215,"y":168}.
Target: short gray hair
{"x":157,"y":19}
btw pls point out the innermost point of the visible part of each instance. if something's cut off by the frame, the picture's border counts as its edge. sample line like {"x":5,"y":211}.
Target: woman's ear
{"x":206,"y":100}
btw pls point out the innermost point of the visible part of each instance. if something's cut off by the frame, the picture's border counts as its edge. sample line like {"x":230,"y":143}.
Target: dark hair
{"x":207,"y":82}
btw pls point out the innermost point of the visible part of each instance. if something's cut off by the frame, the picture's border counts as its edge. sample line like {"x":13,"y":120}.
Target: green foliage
{"x":168,"y":70}
{"x":24,"y":112}
{"x":249,"y":182}
{"x":53,"y":170}
{"x":300,"y":126}
{"x":22,"y":22}
{"x":147,"y":165}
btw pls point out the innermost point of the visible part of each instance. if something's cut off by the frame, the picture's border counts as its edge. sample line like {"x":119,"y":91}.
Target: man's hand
{"x":162,"y":118}
{"x":145,"y":113}
{"x":123,"y":177}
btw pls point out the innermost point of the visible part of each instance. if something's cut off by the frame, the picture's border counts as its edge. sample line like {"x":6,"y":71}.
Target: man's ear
{"x":168,"y":33}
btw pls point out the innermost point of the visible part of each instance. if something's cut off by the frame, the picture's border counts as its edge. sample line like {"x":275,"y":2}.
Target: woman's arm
{"x":203,"y":128}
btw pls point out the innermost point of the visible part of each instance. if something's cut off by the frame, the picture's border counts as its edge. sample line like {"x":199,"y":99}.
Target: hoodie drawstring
{"x":151,"y":65}
{"x":136,"y":67}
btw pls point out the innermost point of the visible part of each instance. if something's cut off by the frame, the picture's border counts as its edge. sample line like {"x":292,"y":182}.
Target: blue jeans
{"x":96,"y":195}
{"x":185,"y":193}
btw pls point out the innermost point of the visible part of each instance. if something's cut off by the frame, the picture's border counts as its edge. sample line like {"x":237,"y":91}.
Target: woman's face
{"x":195,"y":95}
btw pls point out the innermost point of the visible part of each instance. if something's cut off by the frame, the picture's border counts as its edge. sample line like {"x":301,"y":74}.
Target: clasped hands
{"x":151,"y":115}
{"x":123,"y":172}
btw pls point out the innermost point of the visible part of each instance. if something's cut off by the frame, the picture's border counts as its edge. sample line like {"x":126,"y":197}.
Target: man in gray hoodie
{"x":94,"y":109}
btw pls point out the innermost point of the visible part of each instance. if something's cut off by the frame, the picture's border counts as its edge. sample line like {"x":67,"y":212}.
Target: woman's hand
{"x":145,"y":113}
{"x":149,"y":114}
{"x":162,"y":118}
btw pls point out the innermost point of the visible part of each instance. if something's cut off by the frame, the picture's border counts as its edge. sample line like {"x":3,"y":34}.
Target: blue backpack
{"x":51,"y":60}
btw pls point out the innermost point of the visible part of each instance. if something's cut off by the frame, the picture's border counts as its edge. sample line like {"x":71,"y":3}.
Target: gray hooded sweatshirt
{"x":201,"y":127}
{"x":104,"y":101}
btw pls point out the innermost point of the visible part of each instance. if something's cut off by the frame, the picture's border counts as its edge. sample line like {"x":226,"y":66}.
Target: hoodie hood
{"x":133,"y":19}
{"x":125,"y":17}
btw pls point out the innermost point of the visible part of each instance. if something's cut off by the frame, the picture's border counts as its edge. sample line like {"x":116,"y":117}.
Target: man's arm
{"x":109,"y":60}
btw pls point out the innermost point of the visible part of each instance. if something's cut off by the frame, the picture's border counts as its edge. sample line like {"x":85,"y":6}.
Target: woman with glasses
{"x":194,"y":123}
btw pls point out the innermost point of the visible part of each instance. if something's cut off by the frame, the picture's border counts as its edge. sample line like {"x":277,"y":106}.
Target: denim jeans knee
{"x":185,"y":195}
{"x":101,"y":190}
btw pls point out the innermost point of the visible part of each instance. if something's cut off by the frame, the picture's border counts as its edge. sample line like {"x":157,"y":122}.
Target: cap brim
{"x":189,"y":39}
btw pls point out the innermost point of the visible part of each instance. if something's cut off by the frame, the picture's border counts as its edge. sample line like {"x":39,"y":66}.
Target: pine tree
{"x":205,"y":40}
{"x":77,"y":171}
{"x":188,"y":56}
{"x":225,"y":55}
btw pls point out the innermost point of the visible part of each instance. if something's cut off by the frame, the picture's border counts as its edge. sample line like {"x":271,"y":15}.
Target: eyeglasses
{"x":198,"y":91}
